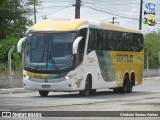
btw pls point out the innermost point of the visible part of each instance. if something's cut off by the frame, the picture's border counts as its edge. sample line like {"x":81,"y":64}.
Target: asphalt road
{"x":145,"y":97}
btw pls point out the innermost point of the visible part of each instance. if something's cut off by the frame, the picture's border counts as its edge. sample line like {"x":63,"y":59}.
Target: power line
{"x":106,"y":4}
{"x":115,"y":14}
{"x":97,"y":6}
{"x":53,"y":7}
{"x":98,"y":1}
{"x":58,"y":10}
{"x":118,"y":10}
{"x":111,"y":13}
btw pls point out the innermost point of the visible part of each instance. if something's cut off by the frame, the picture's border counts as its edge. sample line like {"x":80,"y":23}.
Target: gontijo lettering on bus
{"x":124,"y":58}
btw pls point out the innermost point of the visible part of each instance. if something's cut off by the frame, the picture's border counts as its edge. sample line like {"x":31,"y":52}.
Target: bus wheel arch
{"x":88,"y":86}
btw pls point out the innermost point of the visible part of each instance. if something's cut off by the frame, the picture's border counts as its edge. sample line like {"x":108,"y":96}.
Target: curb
{"x":151,"y":78}
{"x":13,"y":90}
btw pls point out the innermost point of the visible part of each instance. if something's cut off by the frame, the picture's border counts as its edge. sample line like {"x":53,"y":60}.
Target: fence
{"x":151,"y":72}
{"x":14,"y":81}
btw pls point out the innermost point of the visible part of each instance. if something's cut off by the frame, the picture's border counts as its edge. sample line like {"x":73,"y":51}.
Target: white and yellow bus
{"x":81,"y":55}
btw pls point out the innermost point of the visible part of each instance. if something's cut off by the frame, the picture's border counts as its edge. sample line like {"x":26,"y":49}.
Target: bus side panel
{"x":89,"y":67}
{"x":99,"y":64}
{"x":105,"y":69}
{"x":128,"y":62}
{"x":140,"y":59}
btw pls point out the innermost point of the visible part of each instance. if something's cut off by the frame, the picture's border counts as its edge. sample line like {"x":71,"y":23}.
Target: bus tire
{"x":43,"y":93}
{"x":125,"y":85}
{"x":130,"y":85}
{"x":87,"y":90}
{"x":93,"y":91}
{"x":116,"y":90}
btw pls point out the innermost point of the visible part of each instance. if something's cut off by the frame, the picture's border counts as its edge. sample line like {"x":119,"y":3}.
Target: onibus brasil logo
{"x":149,"y":15}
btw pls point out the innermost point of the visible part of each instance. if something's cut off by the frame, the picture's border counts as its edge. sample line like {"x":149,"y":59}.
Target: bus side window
{"x":101,"y":40}
{"x":119,"y":40}
{"x":140,"y":41}
{"x":130,"y":41}
{"x":110,"y":40}
{"x":92,"y":42}
{"x":137,"y":42}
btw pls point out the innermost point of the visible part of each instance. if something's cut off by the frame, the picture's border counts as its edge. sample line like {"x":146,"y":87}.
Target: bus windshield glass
{"x":49,"y":51}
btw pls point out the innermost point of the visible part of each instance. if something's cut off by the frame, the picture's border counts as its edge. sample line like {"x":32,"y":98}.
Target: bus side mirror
{"x":75,"y":45}
{"x":19,"y":45}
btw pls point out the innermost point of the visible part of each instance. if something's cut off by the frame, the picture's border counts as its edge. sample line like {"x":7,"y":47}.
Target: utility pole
{"x":35,"y":11}
{"x":140,"y":15}
{"x":44,"y":17}
{"x":113,"y":21}
{"x":77,"y":8}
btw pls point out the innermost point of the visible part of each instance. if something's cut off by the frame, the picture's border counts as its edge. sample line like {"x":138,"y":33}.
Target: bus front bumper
{"x":66,"y":85}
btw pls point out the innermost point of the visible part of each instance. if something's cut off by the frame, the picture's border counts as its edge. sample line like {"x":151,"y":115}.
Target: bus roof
{"x":75,"y":24}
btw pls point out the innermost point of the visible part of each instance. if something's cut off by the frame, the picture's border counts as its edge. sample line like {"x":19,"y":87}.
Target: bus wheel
{"x":116,"y":90}
{"x":93,"y":91}
{"x":87,"y":90}
{"x":125,"y":85}
{"x":43,"y":93}
{"x":130,"y":85}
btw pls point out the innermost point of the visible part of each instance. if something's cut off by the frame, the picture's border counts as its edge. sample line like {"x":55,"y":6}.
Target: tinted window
{"x":81,"y":46}
{"x":92,"y":42}
{"x":137,"y":42}
{"x":114,"y":40}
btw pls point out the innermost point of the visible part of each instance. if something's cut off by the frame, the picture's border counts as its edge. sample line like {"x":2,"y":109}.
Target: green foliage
{"x":14,"y":17}
{"x":152,"y":46}
{"x":6,"y":45}
{"x":3,"y":67}
{"x":14,"y":20}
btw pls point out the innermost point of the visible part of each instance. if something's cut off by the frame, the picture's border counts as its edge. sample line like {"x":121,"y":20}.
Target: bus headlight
{"x":26,"y":76}
{"x":68,"y":77}
{"x":72,"y":74}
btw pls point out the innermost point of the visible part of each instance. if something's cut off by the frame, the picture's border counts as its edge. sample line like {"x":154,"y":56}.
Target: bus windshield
{"x":49,"y":51}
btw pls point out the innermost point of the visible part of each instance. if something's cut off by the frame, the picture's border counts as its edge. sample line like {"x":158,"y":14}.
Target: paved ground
{"x":145,"y":97}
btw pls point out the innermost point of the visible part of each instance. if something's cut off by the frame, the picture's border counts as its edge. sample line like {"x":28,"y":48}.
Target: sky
{"x":126,"y":12}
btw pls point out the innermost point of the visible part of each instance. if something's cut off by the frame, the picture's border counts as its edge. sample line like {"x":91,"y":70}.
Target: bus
{"x":81,"y":55}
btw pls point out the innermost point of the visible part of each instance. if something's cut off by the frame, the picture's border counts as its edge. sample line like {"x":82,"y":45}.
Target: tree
{"x":6,"y":46}
{"x":14,"y":17}
{"x":151,"y":45}
{"x":14,"y":20}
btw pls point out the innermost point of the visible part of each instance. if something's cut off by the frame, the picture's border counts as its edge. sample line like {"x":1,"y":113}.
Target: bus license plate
{"x":46,"y":86}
